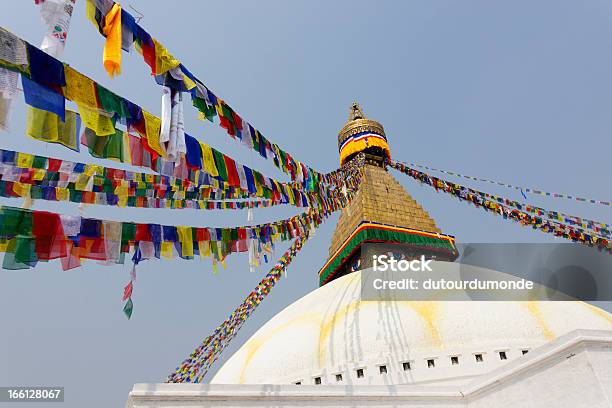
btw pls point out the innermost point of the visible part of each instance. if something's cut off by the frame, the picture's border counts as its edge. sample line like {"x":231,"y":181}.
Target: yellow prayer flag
{"x":164,"y":61}
{"x":24,"y":160}
{"x":39,"y":174}
{"x":91,"y":13}
{"x":101,"y":124}
{"x":208,"y":160}
{"x":186,"y":239}
{"x":112,"y":48}
{"x":4,"y":244}
{"x":166,"y":249}
{"x":62,"y":194}
{"x":91,"y":169}
{"x":82,"y":182}
{"x":153,"y":127}
{"x":258,"y":187}
{"x":79,"y":88}
{"x":21,"y":189}
{"x":121,"y":191}
{"x":122,"y":202}
{"x":127,"y":150}
{"x":48,"y":127}
{"x":189,"y":84}
{"x":204,"y":247}
{"x":289,"y":194}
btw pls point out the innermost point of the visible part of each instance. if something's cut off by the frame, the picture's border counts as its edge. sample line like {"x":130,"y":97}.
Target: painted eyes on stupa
{"x":395,"y":255}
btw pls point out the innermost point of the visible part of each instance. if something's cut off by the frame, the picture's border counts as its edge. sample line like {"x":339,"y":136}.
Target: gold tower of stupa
{"x":381,"y":211}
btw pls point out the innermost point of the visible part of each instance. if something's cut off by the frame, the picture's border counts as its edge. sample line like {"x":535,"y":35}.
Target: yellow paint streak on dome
{"x":328,"y":325}
{"x":428,"y":311}
{"x":254,"y":344}
{"x":536,"y":313}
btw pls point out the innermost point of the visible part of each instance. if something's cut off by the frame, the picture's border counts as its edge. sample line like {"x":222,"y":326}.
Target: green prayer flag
{"x":114,"y":146}
{"x":127,"y":309}
{"x":255,"y":139}
{"x":227,"y":113}
{"x":220,"y":164}
{"x":20,"y":254}
{"x":208,"y":111}
{"x":39,"y":162}
{"x":128,"y":233}
{"x":111,"y":102}
{"x":15,"y":221}
{"x":95,"y":143}
{"x":105,"y":147}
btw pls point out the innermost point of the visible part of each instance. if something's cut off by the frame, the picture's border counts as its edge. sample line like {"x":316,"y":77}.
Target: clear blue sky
{"x":516,"y":91}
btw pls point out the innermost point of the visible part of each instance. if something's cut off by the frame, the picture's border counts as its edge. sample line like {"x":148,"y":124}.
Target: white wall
{"x":571,"y":371}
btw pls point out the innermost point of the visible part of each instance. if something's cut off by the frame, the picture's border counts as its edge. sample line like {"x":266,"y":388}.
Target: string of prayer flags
{"x":28,"y":237}
{"x":128,"y":308}
{"x":550,"y":226}
{"x":54,"y":179}
{"x":169,"y":72}
{"x":147,"y":150}
{"x":523,"y":190}
{"x":39,"y":184}
{"x":196,"y":366}
{"x":600,"y":228}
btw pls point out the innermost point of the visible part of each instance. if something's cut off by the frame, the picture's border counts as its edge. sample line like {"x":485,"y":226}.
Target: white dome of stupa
{"x":331,"y":336}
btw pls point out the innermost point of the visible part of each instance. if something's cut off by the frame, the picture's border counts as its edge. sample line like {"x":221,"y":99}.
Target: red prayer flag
{"x":237,"y":121}
{"x":142,"y":232}
{"x":136,"y":150}
{"x":127,"y":291}
{"x":49,"y":235}
{"x":202,"y":234}
{"x":71,"y":260}
{"x":232,"y":172}
{"x":54,"y":165}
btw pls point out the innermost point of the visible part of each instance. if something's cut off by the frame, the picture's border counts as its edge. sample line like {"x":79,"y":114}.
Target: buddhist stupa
{"x":331,"y":348}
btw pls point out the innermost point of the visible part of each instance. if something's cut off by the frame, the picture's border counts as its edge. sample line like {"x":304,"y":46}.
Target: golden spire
{"x":381,"y":211}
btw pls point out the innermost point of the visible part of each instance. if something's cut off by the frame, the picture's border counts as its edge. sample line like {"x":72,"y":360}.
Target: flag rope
{"x":480,"y":200}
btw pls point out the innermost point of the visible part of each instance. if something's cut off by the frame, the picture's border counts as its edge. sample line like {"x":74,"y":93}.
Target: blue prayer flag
{"x":41,"y":97}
